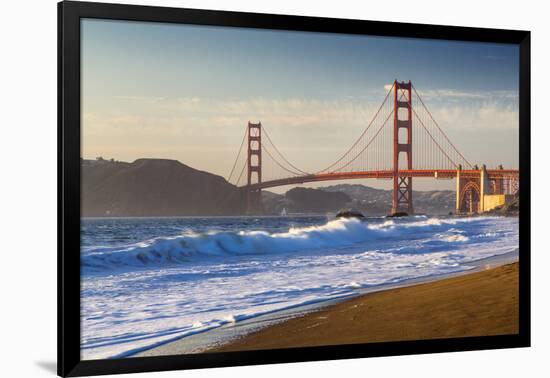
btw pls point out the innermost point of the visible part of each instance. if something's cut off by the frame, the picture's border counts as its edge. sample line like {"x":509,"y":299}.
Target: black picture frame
{"x":69,"y":15}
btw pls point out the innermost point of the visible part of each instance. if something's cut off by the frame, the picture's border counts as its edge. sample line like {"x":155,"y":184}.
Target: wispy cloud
{"x":444,"y":93}
{"x":475,"y":95}
{"x":183,"y":127}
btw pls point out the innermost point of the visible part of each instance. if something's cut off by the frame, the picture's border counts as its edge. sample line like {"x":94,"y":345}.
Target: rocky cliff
{"x":155,"y":187}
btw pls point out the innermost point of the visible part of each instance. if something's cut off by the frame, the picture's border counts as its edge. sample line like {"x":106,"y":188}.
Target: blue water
{"x":146,"y":281}
{"x":122,"y":231}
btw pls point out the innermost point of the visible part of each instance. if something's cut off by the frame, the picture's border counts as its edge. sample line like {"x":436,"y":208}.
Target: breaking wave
{"x":339,"y":233}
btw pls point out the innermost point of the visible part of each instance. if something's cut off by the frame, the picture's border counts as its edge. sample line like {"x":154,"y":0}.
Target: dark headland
{"x":155,"y":187}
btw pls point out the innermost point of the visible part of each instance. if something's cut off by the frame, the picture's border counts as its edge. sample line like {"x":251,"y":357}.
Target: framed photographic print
{"x":239,"y":188}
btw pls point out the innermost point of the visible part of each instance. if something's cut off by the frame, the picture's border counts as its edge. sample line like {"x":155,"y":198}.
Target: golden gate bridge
{"x":384,"y":150}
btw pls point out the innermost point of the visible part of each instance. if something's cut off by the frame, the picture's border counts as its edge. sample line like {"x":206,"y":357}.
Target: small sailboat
{"x":283,"y":212}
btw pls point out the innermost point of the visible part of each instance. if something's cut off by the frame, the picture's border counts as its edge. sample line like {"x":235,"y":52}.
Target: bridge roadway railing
{"x":384,"y":174}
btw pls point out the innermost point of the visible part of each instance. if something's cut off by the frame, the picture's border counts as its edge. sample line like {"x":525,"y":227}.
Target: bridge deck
{"x":385,"y":174}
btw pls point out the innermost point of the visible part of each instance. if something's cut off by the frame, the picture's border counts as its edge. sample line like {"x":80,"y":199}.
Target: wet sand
{"x":476,"y":304}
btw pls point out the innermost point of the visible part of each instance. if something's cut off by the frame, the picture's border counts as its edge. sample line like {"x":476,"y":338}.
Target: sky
{"x":156,"y":90}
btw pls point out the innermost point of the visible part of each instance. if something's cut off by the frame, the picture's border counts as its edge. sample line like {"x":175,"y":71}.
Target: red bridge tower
{"x":254,"y":167}
{"x":402,"y":142}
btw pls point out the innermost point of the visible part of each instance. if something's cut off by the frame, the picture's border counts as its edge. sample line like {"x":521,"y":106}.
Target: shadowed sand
{"x":476,"y":304}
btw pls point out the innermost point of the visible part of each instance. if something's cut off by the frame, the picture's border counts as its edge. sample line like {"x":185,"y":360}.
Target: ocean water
{"x":145,"y":282}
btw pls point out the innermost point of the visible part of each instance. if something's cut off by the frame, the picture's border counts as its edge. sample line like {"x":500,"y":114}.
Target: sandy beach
{"x":476,"y":304}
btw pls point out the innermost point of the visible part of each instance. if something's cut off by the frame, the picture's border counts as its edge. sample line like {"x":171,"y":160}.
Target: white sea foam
{"x":144,"y":294}
{"x":354,"y":285}
{"x":455,"y":238}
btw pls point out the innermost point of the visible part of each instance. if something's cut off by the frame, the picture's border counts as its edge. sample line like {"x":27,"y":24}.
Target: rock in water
{"x":398,"y":214}
{"x":347,"y":213}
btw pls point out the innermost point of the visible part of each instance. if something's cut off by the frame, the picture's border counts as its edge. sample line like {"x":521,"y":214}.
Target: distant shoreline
{"x":318,"y":215}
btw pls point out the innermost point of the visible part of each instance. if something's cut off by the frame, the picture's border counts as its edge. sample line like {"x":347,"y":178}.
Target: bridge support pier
{"x":484,"y":187}
{"x":471,"y":188}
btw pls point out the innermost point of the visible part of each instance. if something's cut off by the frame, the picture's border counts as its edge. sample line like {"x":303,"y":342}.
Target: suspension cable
{"x":437,"y":144}
{"x":238,"y":154}
{"x":437,"y":125}
{"x":242,"y":171}
{"x":362,"y":134}
{"x":374,"y":136}
{"x":280,"y":154}
{"x":279,"y":164}
{"x":370,"y":141}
